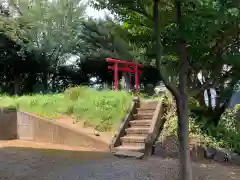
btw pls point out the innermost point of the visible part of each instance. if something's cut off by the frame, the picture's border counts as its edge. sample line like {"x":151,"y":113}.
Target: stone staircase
{"x":136,"y":128}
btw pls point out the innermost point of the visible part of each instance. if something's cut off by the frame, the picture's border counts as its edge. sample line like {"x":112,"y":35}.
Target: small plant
{"x":76,"y":92}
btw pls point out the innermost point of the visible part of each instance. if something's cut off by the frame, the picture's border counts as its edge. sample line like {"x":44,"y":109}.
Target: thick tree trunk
{"x":183,"y":122}
{"x":181,"y":96}
{"x":182,"y":101}
{"x":183,"y":137}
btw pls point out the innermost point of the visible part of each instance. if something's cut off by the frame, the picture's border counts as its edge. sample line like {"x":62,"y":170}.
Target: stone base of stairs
{"x":129,"y":148}
{"x":127,"y":154}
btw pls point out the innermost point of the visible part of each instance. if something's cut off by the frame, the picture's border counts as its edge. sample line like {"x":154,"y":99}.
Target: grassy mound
{"x":102,"y":110}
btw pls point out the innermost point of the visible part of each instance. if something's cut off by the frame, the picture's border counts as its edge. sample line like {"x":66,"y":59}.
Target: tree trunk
{"x":217,"y":112}
{"x":183,"y":137}
{"x":183,"y":122}
{"x":16,"y":85}
{"x":200,"y":99}
{"x":127,"y":80}
{"x":209,"y":98}
{"x":181,"y":96}
{"x":182,"y":101}
{"x":54,"y":82}
{"x":31,"y":82}
{"x":45,"y":81}
{"x":156,"y":33}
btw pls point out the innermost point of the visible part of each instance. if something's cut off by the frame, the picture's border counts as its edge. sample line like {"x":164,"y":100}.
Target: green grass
{"x":102,"y":110}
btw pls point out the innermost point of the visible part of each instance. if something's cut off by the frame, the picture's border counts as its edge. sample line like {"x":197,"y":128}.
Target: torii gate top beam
{"x":110,"y":60}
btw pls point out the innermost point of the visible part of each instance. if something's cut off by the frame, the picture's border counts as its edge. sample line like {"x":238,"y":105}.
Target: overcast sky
{"x":95,"y":13}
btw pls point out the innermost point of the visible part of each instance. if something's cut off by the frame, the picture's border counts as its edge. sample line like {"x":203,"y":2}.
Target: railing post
{"x":136,"y":101}
{"x":148,"y":146}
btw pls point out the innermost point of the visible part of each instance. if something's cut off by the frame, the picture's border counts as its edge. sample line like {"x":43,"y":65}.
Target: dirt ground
{"x":21,"y":160}
{"x":79,"y":125}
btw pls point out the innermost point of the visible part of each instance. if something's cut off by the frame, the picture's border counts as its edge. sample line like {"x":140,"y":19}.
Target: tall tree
{"x":212,"y":21}
{"x":52,"y":29}
{"x":103,"y":39}
{"x":179,"y":93}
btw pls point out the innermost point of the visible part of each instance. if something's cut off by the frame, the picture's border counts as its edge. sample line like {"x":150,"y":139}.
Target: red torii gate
{"x":128,"y":68}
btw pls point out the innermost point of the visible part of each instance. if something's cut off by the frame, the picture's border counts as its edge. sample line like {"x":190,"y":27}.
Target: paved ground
{"x":24,"y":163}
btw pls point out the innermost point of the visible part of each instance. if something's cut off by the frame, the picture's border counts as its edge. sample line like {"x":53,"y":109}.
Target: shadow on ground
{"x":53,"y":163}
{"x":167,"y":147}
{"x":22,"y":163}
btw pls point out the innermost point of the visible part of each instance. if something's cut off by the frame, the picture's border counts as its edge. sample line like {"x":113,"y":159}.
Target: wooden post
{"x":136,"y":78}
{"x":116,"y":76}
{"x":136,"y":99}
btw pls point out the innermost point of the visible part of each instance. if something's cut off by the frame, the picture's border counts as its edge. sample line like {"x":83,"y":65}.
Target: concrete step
{"x":140,"y":123}
{"x":149,"y":104}
{"x":130,"y":148}
{"x":145,"y":110}
{"x":133,"y":154}
{"x":133,"y":140}
{"x":143,"y":116}
{"x":137,"y":131}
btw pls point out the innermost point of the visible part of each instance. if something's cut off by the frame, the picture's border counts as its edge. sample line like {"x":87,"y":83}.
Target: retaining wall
{"x":28,"y":127}
{"x":8,"y":124}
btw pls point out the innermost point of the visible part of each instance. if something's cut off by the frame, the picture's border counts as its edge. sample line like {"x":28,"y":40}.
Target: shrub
{"x":228,"y":130}
{"x":76,"y":92}
{"x":225,"y":135}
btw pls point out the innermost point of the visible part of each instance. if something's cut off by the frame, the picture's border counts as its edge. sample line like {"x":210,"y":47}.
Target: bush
{"x":228,"y":130}
{"x":225,"y":135}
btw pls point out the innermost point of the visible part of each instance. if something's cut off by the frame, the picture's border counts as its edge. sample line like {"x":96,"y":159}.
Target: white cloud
{"x":91,"y":12}
{"x":94,"y":13}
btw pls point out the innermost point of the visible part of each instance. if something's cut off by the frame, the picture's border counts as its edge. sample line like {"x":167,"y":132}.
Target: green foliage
{"x":76,"y":92}
{"x":237,"y":107}
{"x":225,"y":135}
{"x":102,"y":110}
{"x":50,"y":31}
{"x":193,"y":103}
{"x":211,"y":33}
{"x":228,"y":130}
{"x":49,"y":28}
{"x":104,"y":38}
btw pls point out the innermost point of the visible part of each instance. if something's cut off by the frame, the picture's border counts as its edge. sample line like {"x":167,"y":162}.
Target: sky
{"x":91,"y":12}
